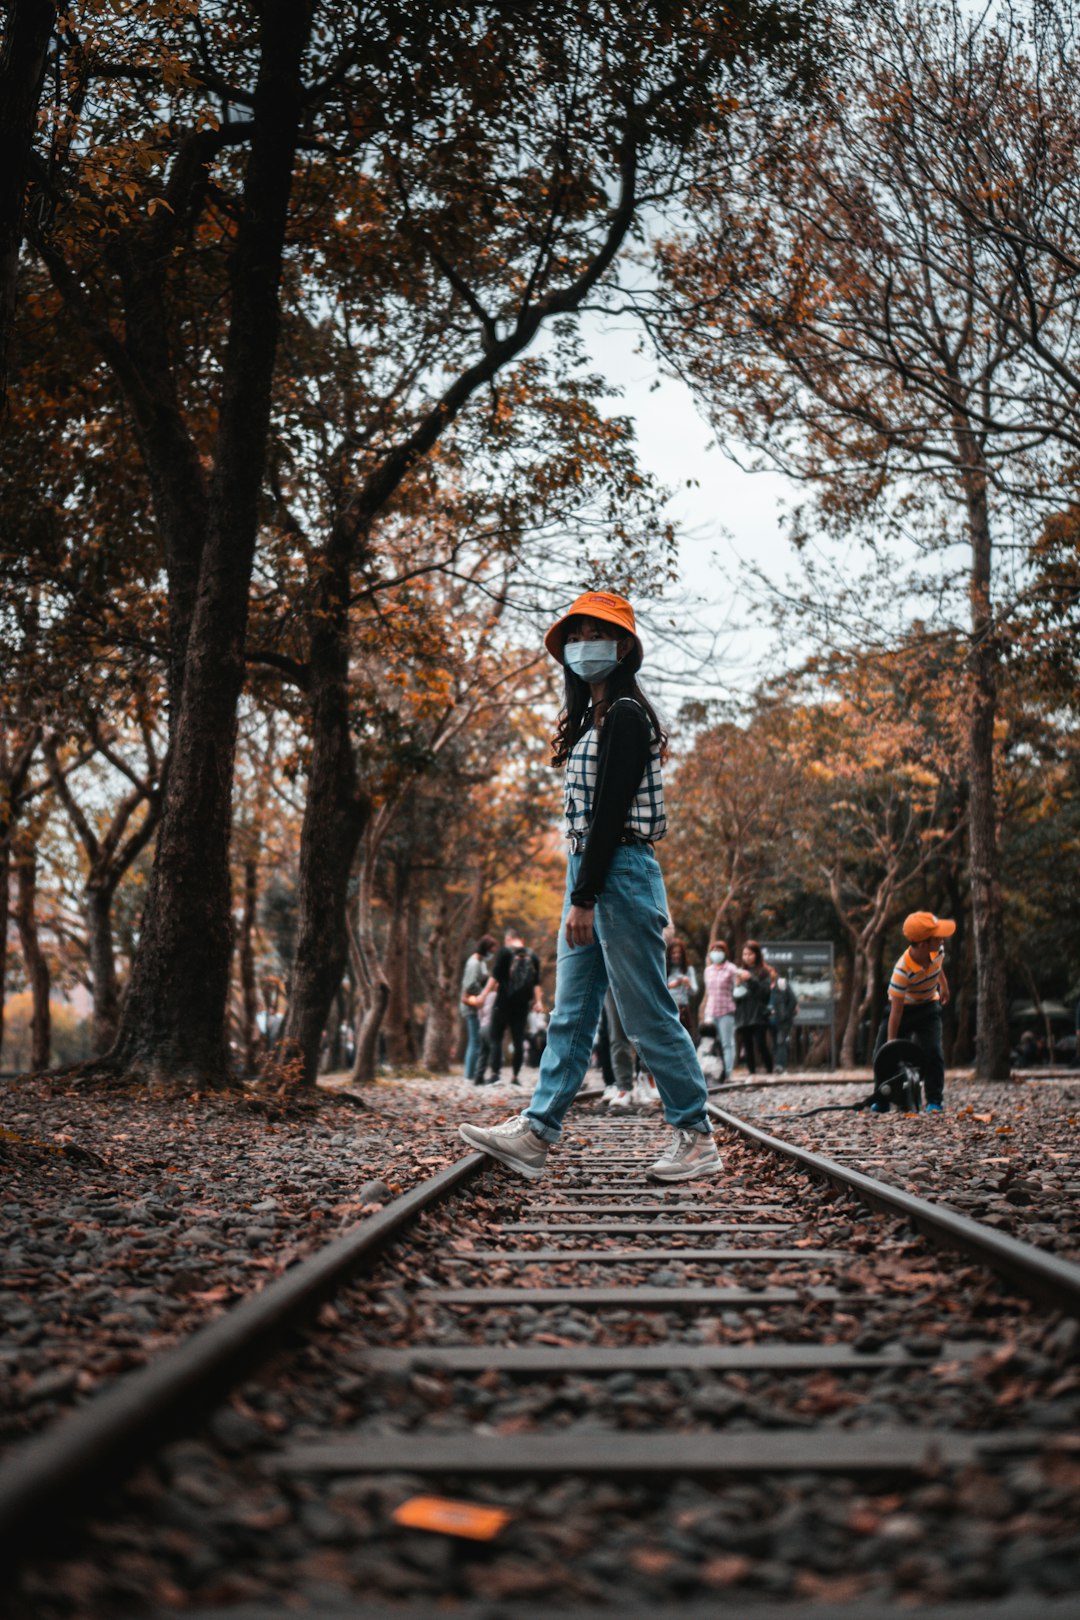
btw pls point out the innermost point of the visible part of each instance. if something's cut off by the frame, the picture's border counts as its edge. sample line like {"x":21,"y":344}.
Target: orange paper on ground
{"x":451,"y":1518}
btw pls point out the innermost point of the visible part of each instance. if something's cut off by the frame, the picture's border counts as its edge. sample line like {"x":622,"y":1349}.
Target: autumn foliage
{"x":301,"y":445}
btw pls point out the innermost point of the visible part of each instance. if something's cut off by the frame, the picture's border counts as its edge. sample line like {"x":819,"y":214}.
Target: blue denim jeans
{"x":725,"y":1030}
{"x":472,"y":1040}
{"x":620,"y":1045}
{"x":627,"y":953}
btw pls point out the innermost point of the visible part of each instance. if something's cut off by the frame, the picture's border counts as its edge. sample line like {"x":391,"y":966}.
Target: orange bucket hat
{"x":604,"y":605}
{"x":919,"y":925}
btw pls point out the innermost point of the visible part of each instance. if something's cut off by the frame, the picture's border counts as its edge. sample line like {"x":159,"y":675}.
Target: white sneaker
{"x":621,"y":1103}
{"x":645,"y":1094}
{"x":689,"y":1154}
{"x":609,"y":1092}
{"x":513,"y":1142}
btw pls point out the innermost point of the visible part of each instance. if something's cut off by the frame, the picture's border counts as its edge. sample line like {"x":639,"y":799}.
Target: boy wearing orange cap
{"x":918,"y":990}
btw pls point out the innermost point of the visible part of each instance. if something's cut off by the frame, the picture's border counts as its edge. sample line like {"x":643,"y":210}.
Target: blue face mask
{"x":592,"y":660}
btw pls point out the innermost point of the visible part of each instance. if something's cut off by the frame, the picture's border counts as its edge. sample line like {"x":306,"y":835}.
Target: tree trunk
{"x":441,"y":1024}
{"x":366,"y":1062}
{"x":26,"y":40}
{"x":440,"y":1030}
{"x":37,"y":969}
{"x":877,"y":993}
{"x":338,"y":1016}
{"x":335,"y":815}
{"x":963,"y":1050}
{"x":856,"y":1003}
{"x":174,"y":1014}
{"x":15,"y":762}
{"x":373,"y":991}
{"x":398,"y":1022}
{"x":171,"y":456}
{"x":988,"y":927}
{"x":106,"y":992}
{"x":249,"y":1032}
{"x":955,"y":1019}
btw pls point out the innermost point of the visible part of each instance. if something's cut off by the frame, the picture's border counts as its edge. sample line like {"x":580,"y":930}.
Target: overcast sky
{"x":725,"y":516}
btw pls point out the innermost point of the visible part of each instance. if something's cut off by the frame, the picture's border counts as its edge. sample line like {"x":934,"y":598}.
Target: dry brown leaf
{"x":651,"y":1560}
{"x":725,"y":1570}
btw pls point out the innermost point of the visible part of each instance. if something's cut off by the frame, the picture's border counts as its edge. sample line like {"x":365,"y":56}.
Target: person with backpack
{"x":612,"y":745}
{"x":515,"y":978}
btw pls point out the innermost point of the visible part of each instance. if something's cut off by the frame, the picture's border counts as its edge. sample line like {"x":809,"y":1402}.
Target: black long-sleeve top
{"x":622,"y":757}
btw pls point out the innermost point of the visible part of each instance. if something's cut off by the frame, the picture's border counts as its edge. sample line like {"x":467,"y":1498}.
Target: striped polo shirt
{"x":913,"y":984}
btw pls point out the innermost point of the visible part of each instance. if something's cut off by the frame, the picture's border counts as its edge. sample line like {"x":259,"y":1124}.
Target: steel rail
{"x":1036,"y":1273}
{"x":115,"y":1430}
{"x":1025,"y":1607}
{"x":104,"y":1439}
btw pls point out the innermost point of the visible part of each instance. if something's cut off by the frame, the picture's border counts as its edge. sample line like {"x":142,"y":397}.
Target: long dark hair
{"x":576,"y":715}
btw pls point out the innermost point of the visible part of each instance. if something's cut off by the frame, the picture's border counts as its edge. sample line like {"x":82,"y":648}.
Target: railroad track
{"x":1006,"y":1154}
{"x":750,"y":1387}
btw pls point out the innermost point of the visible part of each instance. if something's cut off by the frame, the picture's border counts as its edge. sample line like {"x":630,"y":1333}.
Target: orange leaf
{"x":450,"y":1518}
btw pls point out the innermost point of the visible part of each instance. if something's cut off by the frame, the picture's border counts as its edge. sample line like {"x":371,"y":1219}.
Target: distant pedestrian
{"x":721,"y":977}
{"x":485,"y":1012}
{"x":682,"y":982}
{"x":918,"y":990}
{"x":752,"y":993}
{"x":617,"y":1054}
{"x":473,"y":979}
{"x":783,"y":1006}
{"x":612,"y":745}
{"x":515,"y":978}
{"x":535,"y":1036}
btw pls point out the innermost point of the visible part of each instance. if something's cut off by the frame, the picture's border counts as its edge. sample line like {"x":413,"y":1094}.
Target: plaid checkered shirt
{"x":646,"y":818}
{"x":720,"y":980}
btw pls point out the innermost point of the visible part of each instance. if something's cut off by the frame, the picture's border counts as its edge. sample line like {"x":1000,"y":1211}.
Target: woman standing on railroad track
{"x":612,"y":932}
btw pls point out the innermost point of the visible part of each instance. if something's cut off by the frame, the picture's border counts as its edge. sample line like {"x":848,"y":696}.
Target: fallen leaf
{"x":829,"y":1588}
{"x":726,"y":1570}
{"x":651,"y":1560}
{"x":447,"y":1517}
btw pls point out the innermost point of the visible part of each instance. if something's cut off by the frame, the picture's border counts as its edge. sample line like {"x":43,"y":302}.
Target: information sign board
{"x":810,"y":965}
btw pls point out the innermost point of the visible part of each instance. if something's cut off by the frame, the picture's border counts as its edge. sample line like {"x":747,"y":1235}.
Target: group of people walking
{"x":501,"y":993}
{"x":748,"y":1006}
